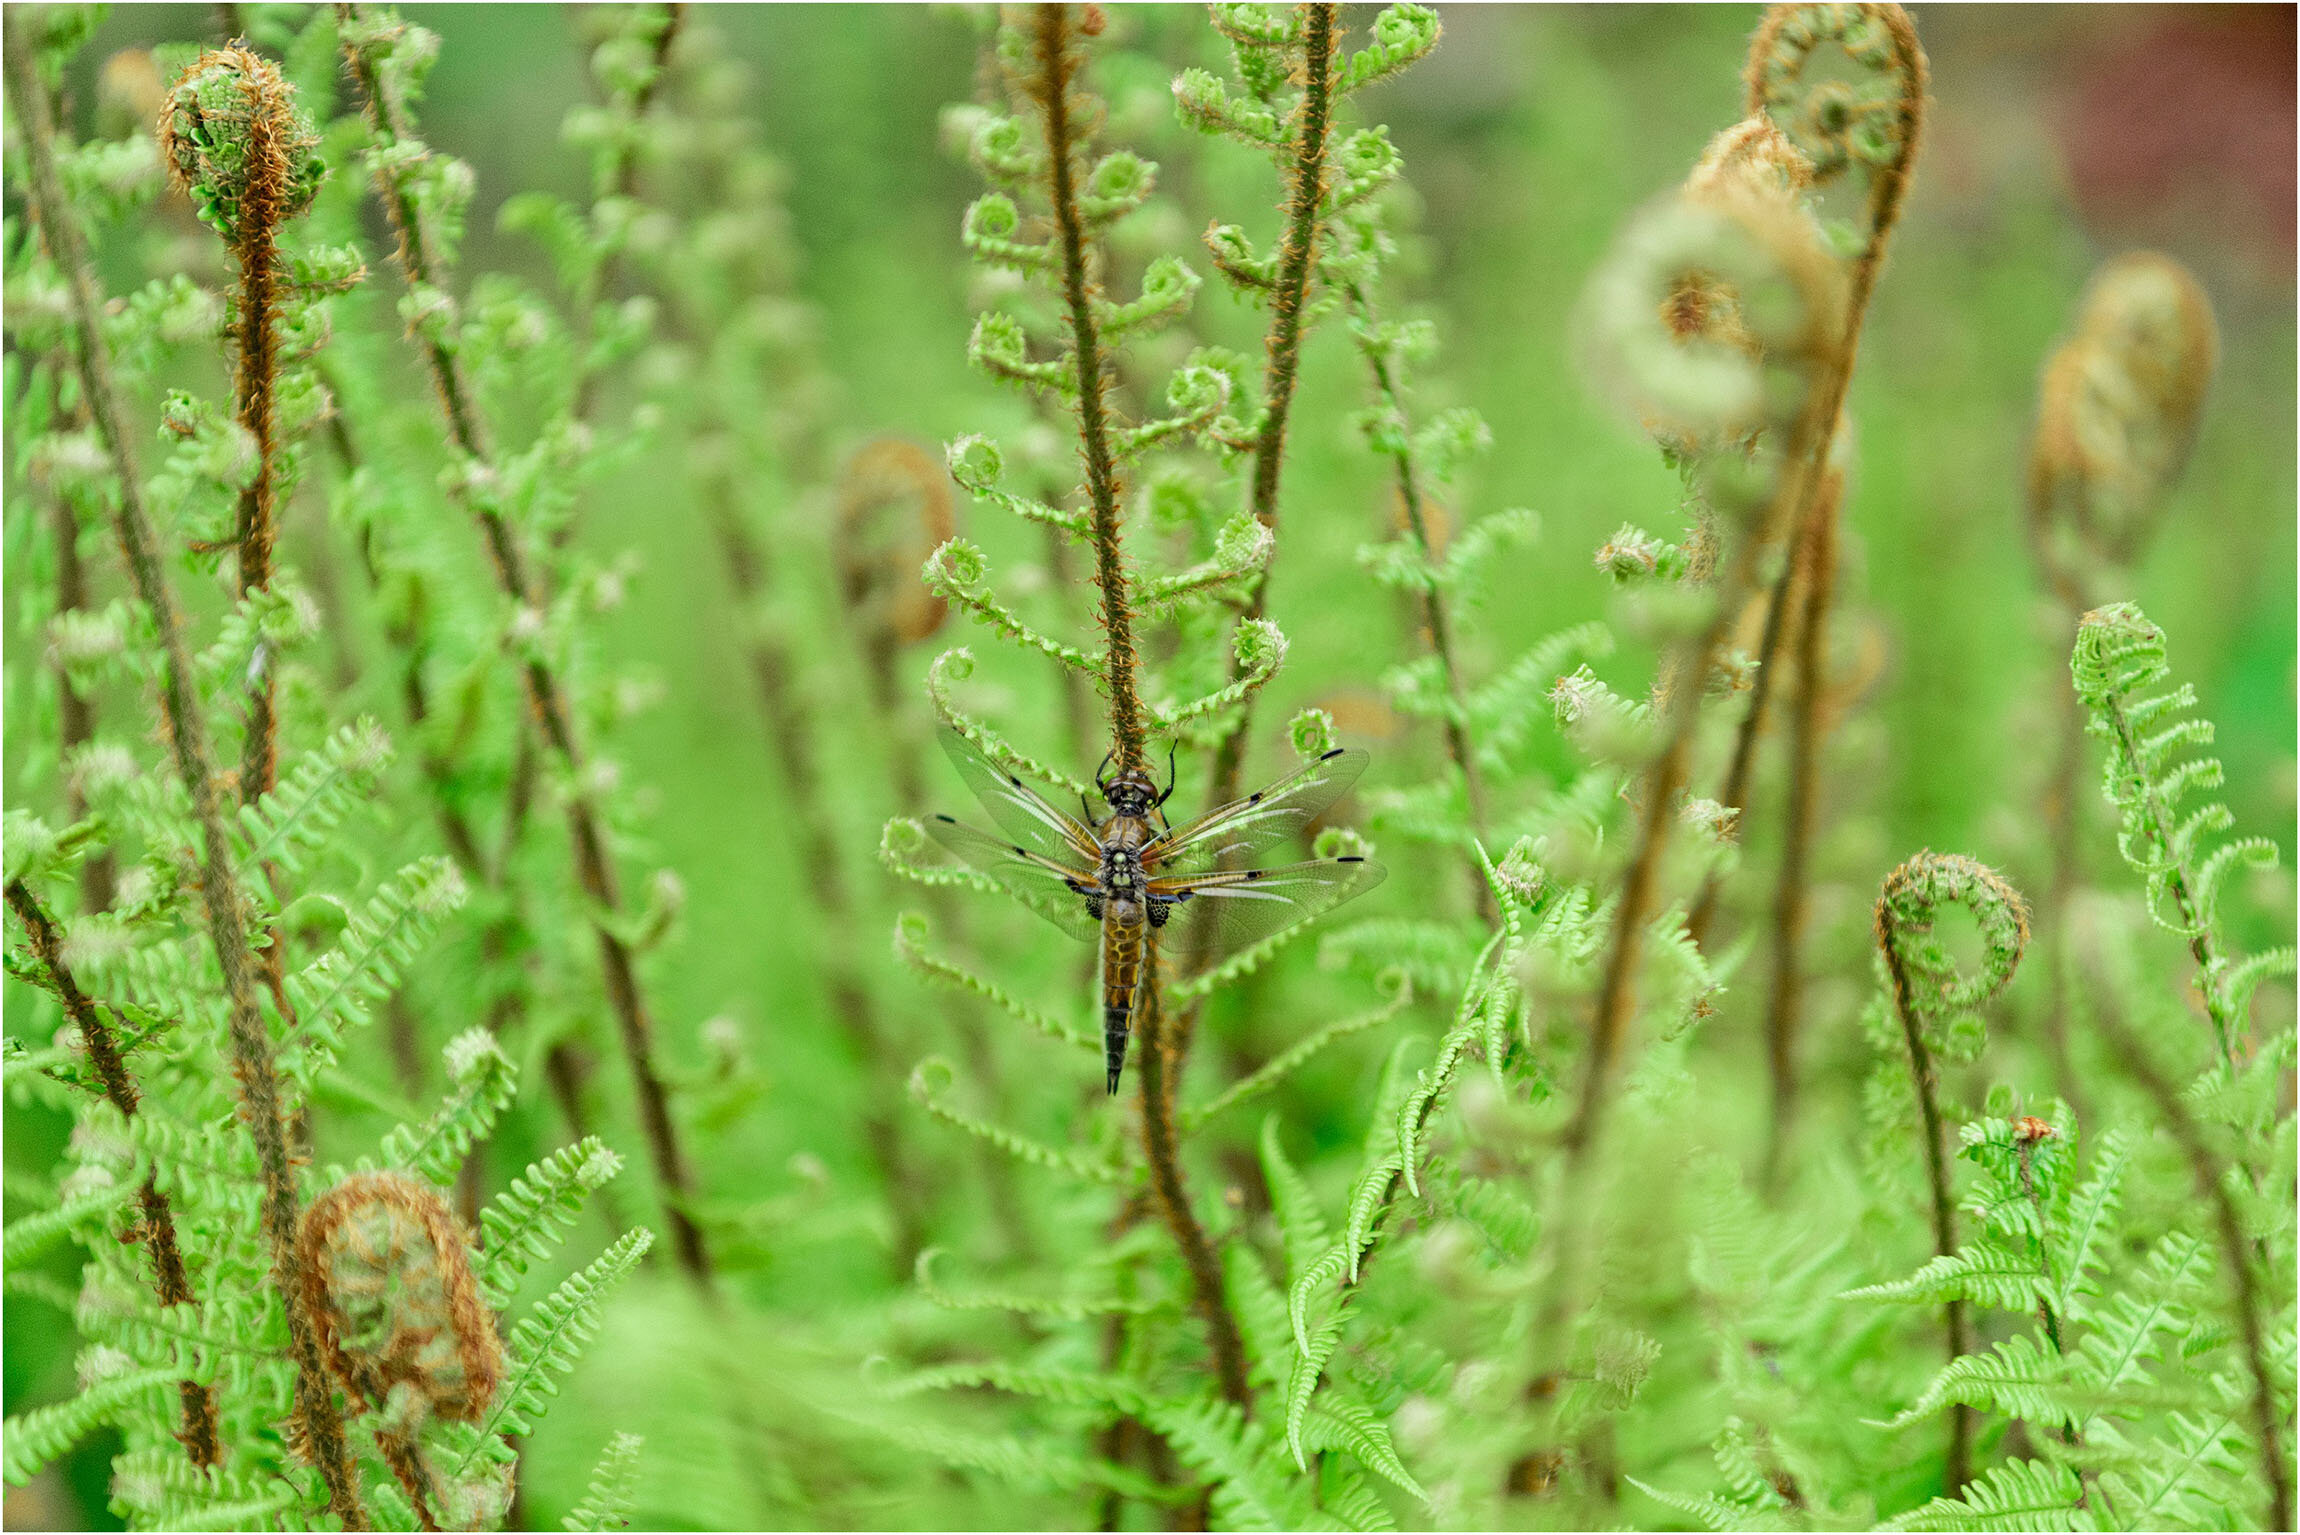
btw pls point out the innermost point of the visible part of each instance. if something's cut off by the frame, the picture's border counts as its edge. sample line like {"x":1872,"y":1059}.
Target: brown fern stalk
{"x":1434,"y":617}
{"x":75,"y":714}
{"x":319,"y":1428}
{"x":263,"y":205}
{"x":1956,"y":1325}
{"x":1790,"y":895}
{"x":1282,"y":345}
{"x":550,"y":714}
{"x":1282,"y":351}
{"x":1057,"y":64}
{"x":158,"y":1227}
{"x":1816,"y":530}
{"x":1160,"y":1068}
{"x":2211,"y":1174}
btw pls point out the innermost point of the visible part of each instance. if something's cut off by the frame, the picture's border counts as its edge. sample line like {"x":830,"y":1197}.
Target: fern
{"x":482,"y":1082}
{"x":545,"y":1343}
{"x":608,"y":1500}
{"x":2018,"y":1495}
{"x":528,"y":1220}
{"x":2118,"y":665}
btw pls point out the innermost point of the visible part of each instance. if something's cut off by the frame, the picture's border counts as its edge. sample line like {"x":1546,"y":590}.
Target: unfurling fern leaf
{"x":2119,"y":659}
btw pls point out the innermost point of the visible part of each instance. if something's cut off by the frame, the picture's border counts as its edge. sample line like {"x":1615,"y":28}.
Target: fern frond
{"x":2016,"y":1378}
{"x":608,"y":1500}
{"x":1254,"y":1488}
{"x":527,"y":1221}
{"x":1340,"y":1424}
{"x":1063,"y":1307}
{"x":484,"y":1082}
{"x":30,"y":1440}
{"x":927,"y":1092}
{"x":313,"y":797}
{"x":1280,"y":1066}
{"x":337,"y":990}
{"x":30,"y":1237}
{"x":1981,"y":1272}
{"x":2018,"y":1495}
{"x":545,"y":1344}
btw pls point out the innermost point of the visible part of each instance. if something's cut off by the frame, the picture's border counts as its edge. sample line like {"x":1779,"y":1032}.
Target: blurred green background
{"x":2060,"y":136}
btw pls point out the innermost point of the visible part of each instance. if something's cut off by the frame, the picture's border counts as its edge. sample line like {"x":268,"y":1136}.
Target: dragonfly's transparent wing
{"x":1018,"y":809}
{"x":1054,"y":890}
{"x":1248,"y":905}
{"x":1247,"y":826}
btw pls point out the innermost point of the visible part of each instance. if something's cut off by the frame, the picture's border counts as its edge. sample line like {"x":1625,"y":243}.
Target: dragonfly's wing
{"x":1018,"y":809}
{"x":1247,"y":826}
{"x":1248,"y":905}
{"x":1054,"y":890}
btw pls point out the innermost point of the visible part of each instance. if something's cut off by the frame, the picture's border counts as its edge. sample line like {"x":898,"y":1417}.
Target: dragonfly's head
{"x":1131,"y":793}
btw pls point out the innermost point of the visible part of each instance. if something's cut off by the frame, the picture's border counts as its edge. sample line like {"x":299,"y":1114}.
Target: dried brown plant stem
{"x":2210,"y":1174}
{"x":158,"y":1227}
{"x":1926,"y":1081}
{"x":1282,"y":344}
{"x":1057,"y":63}
{"x":548,"y":708}
{"x":319,"y":1426}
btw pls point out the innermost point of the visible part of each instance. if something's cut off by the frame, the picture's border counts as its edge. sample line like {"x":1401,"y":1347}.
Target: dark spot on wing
{"x":1336,"y":752}
{"x":1350,"y":858}
{"x":1253,"y":874}
{"x":1018,"y":848}
{"x":1254,"y":798}
{"x":1010,"y":778}
{"x":946,"y":819}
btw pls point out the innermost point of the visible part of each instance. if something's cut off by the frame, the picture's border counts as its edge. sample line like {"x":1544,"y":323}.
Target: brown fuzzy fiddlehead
{"x":388,"y":1282}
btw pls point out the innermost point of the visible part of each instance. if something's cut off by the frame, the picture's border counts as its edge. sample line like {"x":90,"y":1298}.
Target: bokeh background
{"x":2061,"y":135}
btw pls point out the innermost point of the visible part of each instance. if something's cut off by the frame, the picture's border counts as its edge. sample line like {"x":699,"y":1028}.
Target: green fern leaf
{"x":607,"y":1503}
{"x":545,"y":1344}
{"x":30,"y":1440}
{"x":527,"y":1221}
{"x":2018,"y":1495}
{"x":484,"y":1082}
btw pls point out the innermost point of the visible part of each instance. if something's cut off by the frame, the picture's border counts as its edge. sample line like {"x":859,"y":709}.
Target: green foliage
{"x":1467,"y":1207}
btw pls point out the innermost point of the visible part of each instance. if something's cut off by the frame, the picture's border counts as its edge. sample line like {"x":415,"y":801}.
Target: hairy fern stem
{"x":418,"y":256}
{"x":320,"y":1427}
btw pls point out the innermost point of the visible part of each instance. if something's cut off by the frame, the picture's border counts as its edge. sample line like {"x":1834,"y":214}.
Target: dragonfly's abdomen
{"x":1121,"y":972}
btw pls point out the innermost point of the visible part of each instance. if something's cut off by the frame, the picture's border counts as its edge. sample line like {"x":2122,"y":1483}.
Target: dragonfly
{"x":1117,"y":879}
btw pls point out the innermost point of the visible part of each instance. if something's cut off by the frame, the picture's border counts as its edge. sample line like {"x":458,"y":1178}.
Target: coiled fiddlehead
{"x":1927,"y":989}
